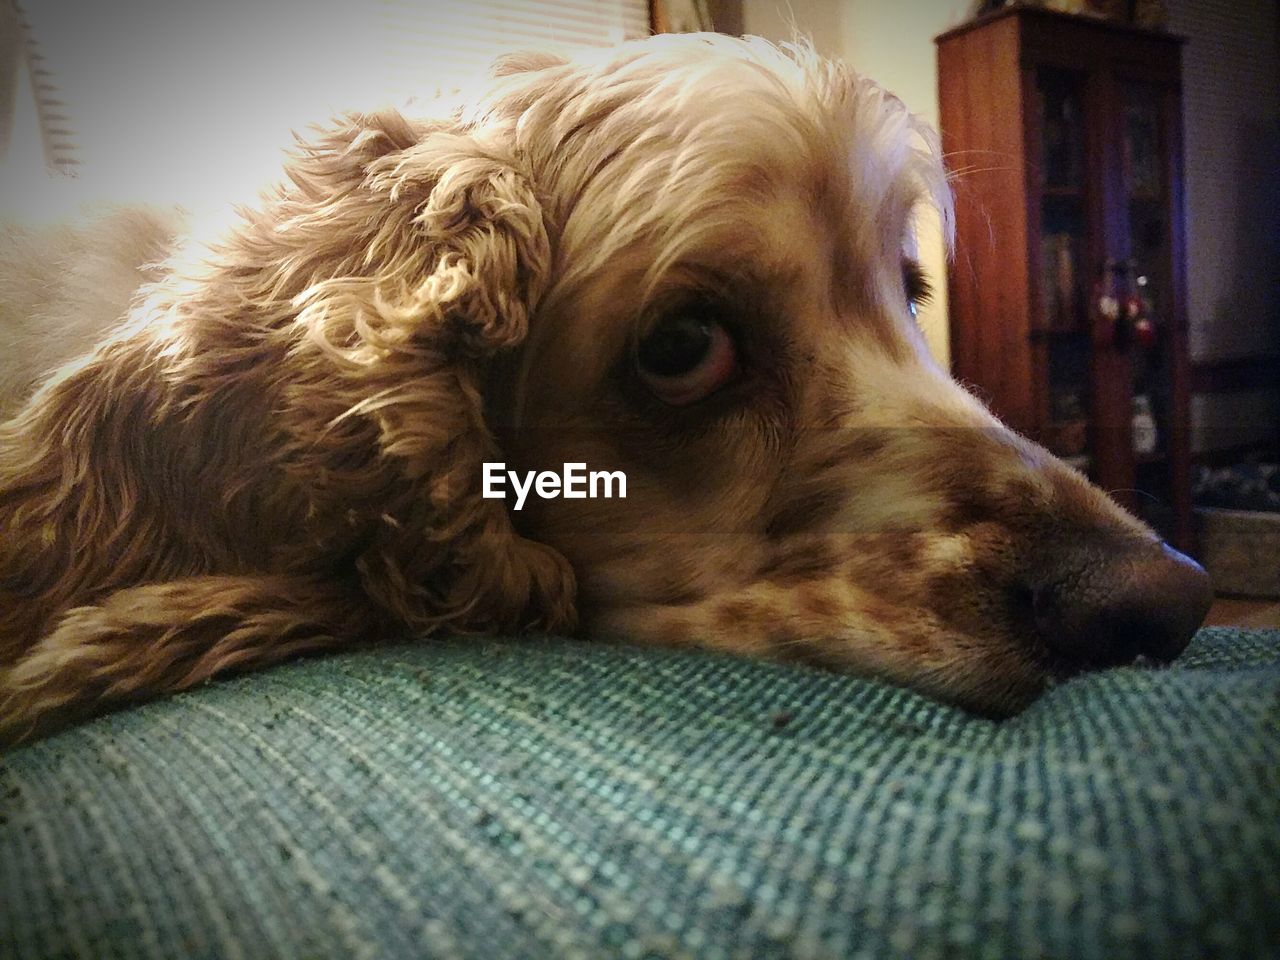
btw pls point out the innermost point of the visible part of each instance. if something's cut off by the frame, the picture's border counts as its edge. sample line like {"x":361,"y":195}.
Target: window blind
{"x":188,"y":101}
{"x":435,"y":47}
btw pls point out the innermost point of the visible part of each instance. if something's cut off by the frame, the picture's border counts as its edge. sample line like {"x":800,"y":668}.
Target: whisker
{"x":1150,"y":496}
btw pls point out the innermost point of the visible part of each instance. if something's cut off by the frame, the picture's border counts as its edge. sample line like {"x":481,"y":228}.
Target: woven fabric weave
{"x":548,"y":798}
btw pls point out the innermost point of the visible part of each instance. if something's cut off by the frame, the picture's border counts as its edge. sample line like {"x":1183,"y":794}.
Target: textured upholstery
{"x":549,"y":798}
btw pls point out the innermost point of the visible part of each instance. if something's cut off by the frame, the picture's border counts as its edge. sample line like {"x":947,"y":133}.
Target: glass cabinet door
{"x":1063,"y":325}
{"x":1147,"y":301}
{"x":1147,"y":323}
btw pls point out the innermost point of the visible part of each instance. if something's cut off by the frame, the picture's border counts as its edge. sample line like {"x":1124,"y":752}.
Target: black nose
{"x":1112,"y":606}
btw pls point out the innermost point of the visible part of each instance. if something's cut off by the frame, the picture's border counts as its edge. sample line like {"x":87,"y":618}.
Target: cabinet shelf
{"x":1057,"y":333}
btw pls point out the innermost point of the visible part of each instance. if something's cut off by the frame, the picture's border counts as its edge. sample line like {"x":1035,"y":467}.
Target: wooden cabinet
{"x":1067,"y":292}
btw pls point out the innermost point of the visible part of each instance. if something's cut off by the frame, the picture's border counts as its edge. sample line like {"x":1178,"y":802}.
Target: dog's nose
{"x":1117,"y":606}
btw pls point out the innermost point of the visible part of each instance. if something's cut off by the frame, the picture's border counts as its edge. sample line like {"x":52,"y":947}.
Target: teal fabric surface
{"x":547,"y":798}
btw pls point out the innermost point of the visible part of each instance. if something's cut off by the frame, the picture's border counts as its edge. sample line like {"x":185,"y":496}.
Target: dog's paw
{"x":40,"y":690}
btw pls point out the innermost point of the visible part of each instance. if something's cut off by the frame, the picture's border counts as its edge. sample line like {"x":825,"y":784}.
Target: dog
{"x":686,"y":259}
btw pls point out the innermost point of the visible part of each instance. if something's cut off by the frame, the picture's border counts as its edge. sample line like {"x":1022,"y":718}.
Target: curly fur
{"x":278,"y":449}
{"x":272,"y":456}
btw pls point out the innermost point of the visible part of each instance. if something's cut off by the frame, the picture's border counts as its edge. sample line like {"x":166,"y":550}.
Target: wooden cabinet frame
{"x":991,"y":76}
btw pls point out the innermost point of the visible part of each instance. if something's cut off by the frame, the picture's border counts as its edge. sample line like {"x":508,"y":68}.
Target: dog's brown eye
{"x":685,"y":359}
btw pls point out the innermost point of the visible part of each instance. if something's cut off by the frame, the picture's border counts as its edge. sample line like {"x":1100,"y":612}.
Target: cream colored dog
{"x":683,"y":260}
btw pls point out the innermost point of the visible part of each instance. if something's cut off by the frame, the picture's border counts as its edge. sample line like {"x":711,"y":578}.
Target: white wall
{"x":1231,"y":107}
{"x":1231,"y":97}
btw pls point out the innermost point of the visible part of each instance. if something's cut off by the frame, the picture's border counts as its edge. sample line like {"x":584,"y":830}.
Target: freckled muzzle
{"x":1086,"y":585}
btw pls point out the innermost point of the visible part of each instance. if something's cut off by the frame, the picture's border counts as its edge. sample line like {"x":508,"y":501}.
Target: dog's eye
{"x":686,"y":358}
{"x":915,"y":285}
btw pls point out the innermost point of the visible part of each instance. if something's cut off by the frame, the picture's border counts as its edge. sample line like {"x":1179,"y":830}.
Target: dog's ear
{"x":412,"y":255}
{"x":443,"y":237}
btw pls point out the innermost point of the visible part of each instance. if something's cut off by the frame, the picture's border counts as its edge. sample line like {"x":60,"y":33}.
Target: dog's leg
{"x":147,"y":640}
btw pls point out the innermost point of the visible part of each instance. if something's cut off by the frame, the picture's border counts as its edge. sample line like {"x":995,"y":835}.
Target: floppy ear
{"x":413,"y":256}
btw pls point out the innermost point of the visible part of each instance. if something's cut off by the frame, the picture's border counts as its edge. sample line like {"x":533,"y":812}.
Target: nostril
{"x":1024,"y":601}
{"x":1145,"y":601}
{"x":1080,"y":629}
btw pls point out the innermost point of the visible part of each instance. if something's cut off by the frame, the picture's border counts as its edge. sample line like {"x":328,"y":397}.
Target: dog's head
{"x":722,"y":309}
